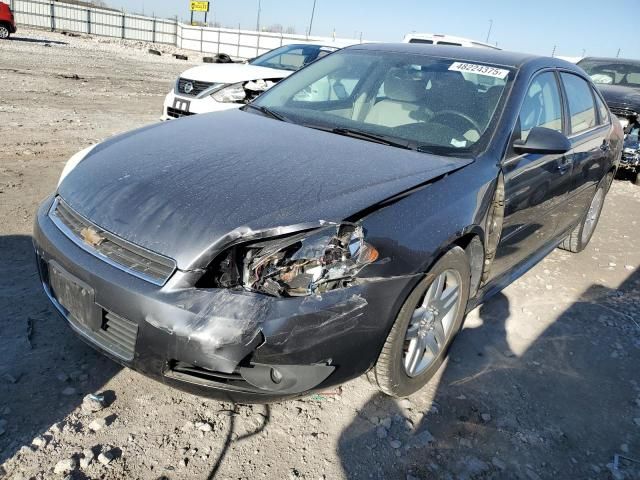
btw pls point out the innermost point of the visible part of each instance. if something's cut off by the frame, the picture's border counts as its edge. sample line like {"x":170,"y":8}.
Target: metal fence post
{"x":218,"y":41}
{"x":11,"y":4}
{"x":88,"y":21}
{"x":177,"y":45}
{"x":53,"y":17}
{"x":238,"y":52}
{"x":258,"y":44}
{"x":153,"y":34}
{"x":123,"y":25}
{"x":201,"y":38}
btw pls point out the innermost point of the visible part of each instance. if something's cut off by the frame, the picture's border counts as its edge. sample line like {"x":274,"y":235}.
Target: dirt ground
{"x":543,"y":382}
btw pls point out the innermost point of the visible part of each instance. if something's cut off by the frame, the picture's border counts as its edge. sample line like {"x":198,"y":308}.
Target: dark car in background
{"x":619,"y":81}
{"x":348,"y":233}
{"x":7,"y":22}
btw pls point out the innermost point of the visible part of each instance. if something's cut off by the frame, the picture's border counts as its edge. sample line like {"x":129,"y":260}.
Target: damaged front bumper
{"x":228,"y":344}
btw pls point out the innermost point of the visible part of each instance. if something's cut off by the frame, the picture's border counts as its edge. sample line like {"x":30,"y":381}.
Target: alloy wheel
{"x":4,"y":32}
{"x":431,"y":324}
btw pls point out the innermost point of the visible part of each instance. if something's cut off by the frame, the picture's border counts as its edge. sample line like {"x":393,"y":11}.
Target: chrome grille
{"x":135,"y":260}
{"x":198,"y":87}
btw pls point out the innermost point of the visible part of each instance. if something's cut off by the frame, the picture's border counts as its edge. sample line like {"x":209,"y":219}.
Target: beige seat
{"x":403,"y":100}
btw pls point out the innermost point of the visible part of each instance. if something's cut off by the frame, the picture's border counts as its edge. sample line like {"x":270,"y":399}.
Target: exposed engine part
{"x":298,"y":265}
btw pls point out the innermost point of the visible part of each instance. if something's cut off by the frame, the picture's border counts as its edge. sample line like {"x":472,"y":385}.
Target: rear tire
{"x":579,"y":238}
{"x":4,"y":32}
{"x":393,"y":373}
{"x":636,"y":178}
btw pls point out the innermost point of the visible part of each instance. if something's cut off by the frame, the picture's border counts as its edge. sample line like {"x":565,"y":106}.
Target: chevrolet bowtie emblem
{"x":91,"y":237}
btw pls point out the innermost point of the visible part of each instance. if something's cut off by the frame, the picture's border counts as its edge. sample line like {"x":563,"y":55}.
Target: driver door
{"x":536,"y":185}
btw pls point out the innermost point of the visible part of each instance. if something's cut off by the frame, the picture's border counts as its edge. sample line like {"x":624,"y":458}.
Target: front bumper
{"x":176,"y":106}
{"x":232,"y":345}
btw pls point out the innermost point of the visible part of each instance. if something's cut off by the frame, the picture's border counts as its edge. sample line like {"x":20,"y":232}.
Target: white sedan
{"x":223,"y":86}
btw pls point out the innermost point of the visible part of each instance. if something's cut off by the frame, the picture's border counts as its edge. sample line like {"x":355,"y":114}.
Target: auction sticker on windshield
{"x":479,"y":69}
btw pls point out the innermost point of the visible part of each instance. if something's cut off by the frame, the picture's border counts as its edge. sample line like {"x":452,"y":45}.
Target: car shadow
{"x":13,"y":38}
{"x":231,"y":436}
{"x":45,"y":370}
{"x":560,"y":408}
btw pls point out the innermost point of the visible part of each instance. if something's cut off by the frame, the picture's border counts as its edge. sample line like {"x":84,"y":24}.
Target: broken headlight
{"x":297,"y":265}
{"x":232,"y":94}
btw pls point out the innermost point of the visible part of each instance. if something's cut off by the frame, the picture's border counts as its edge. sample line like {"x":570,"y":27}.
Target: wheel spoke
{"x":438,"y":332}
{"x":414,"y":355}
{"x":418,"y":314}
{"x":412,"y":332}
{"x":447,"y":301}
{"x":434,"y":290}
{"x":432,"y":344}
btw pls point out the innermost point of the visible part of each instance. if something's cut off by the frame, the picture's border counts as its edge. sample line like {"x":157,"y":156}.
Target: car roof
{"x":483,"y":55}
{"x":627,"y":61}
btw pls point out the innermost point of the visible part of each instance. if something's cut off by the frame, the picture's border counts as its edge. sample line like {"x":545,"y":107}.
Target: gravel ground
{"x":542,"y":382}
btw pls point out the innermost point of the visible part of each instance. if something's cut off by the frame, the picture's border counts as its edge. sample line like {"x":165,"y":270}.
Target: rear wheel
{"x":4,"y":32}
{"x":579,"y":238}
{"x":636,"y":178}
{"x":425,"y":327}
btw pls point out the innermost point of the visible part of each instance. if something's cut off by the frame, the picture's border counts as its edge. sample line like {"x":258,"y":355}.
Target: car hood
{"x":181,"y":189}
{"x":232,"y":73}
{"x":616,"y":94}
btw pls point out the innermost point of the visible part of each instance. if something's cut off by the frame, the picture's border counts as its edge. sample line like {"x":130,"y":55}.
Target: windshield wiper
{"x":370,"y":137}
{"x":268,"y":112}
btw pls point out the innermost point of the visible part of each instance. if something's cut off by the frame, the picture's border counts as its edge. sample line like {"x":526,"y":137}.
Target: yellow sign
{"x":199,"y":6}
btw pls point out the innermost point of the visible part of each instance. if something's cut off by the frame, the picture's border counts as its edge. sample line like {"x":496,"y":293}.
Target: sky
{"x":572,"y":27}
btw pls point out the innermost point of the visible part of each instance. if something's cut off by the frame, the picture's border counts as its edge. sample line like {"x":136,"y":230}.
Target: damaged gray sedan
{"x":342,"y":223}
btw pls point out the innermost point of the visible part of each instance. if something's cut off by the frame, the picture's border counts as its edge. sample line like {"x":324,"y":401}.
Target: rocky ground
{"x":542,"y":383}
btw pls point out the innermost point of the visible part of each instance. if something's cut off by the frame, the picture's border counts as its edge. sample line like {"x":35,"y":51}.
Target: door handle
{"x":605,"y":146}
{"x":563,"y":164}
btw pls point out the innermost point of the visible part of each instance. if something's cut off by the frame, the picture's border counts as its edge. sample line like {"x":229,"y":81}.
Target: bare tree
{"x":275,"y":28}
{"x":290,"y":30}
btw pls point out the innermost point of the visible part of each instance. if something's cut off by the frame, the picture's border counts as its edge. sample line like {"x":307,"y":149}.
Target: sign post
{"x":199,"y":7}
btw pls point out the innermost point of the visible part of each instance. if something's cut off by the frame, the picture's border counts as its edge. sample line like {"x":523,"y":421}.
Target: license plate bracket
{"x":76,"y":297}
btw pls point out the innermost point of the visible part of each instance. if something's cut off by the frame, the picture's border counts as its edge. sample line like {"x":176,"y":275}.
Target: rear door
{"x":589,"y":129}
{"x":535,"y":185}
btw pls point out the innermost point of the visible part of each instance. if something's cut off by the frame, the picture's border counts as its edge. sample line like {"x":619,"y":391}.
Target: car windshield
{"x":412,"y":101}
{"x":291,"y":57}
{"x":612,"y":73}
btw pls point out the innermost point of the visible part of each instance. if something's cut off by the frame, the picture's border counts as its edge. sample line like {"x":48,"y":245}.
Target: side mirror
{"x":544,"y":141}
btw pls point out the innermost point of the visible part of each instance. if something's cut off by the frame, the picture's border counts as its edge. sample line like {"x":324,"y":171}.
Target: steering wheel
{"x":455,"y":113}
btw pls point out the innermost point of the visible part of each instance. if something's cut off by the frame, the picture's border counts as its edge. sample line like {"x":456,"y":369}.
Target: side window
{"x":542,"y":106}
{"x":582,"y":112}
{"x":602,"y":109}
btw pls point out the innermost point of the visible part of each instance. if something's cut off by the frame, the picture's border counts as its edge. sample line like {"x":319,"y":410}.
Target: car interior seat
{"x":403,"y":101}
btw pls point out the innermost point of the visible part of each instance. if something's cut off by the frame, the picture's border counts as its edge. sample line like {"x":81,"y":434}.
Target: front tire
{"x":579,"y":238}
{"x":425,"y":327}
{"x":4,"y":32}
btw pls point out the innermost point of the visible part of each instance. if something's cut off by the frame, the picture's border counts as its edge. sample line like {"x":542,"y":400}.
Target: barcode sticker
{"x":479,"y":69}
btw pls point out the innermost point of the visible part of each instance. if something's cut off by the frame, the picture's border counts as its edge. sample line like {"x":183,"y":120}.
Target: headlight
{"x":74,"y":161}
{"x":232,"y":94}
{"x":298,"y":265}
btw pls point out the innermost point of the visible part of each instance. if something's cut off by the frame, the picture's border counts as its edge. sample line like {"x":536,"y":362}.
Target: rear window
{"x":421,"y":40}
{"x":582,"y":112}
